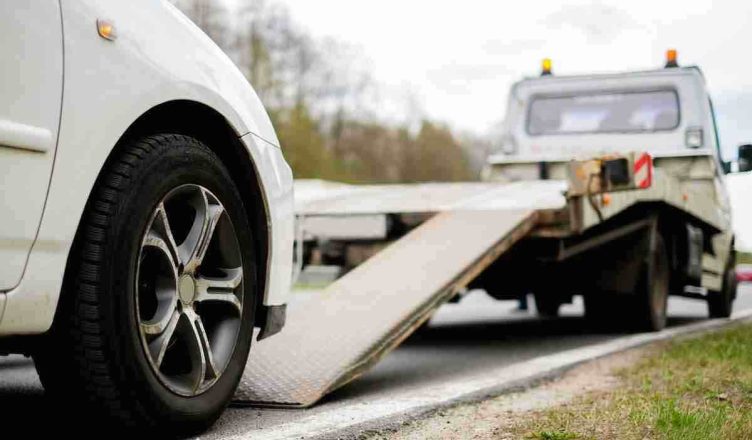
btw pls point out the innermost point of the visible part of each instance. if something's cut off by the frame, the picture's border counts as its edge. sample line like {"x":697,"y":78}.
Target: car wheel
{"x":721,"y":304}
{"x":156,"y":317}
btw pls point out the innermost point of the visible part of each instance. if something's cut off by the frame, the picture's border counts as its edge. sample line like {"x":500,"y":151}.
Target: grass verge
{"x":743,"y":257}
{"x":693,"y":389}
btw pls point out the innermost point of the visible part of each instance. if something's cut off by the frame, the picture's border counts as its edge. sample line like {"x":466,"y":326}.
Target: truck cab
{"x":666,"y":112}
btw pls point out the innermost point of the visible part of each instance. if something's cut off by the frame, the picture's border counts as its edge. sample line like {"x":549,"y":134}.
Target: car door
{"x":31,"y":87}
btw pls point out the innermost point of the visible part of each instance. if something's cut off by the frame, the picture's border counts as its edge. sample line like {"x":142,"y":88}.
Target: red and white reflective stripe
{"x":643,"y":170}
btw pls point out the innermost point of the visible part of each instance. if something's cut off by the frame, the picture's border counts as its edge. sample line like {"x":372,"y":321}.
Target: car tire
{"x":651,"y":296}
{"x":123,"y":286}
{"x":721,"y":304}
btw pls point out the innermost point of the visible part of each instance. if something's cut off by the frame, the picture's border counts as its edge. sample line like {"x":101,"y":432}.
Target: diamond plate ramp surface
{"x":337,"y":335}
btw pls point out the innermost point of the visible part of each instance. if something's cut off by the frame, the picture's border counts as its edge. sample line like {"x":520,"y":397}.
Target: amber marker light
{"x":671,"y":58}
{"x":106,"y":29}
{"x":546,"y":67}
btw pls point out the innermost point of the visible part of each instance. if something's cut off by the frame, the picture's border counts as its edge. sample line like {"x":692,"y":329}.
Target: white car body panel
{"x":277,"y":178}
{"x":30,"y":94}
{"x":158,"y":56}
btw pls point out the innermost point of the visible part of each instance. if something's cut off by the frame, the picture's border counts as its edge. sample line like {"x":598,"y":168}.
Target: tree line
{"x":317,"y":93}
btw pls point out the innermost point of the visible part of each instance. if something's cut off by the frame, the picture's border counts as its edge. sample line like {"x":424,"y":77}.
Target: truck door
{"x":720,"y":179}
{"x":31,"y":87}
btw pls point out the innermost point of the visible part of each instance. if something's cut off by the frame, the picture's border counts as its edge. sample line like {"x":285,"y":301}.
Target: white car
{"x":146,"y":224}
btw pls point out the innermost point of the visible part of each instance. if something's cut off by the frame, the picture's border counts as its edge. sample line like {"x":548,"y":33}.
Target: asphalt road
{"x":474,"y":335}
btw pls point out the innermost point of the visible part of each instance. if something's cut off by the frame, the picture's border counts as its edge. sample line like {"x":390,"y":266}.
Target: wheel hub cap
{"x":189,"y":290}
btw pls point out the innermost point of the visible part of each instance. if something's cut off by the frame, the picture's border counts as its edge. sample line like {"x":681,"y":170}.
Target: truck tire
{"x":547,"y":305}
{"x":721,"y":304}
{"x":156,"y":316}
{"x":651,"y":296}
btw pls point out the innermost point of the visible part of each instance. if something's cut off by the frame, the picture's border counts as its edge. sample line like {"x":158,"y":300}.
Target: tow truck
{"x":606,"y":186}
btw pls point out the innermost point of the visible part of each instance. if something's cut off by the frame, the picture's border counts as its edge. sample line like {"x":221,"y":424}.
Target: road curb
{"x":387,"y":414}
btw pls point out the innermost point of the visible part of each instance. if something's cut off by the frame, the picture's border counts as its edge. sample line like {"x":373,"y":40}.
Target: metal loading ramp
{"x":337,"y":335}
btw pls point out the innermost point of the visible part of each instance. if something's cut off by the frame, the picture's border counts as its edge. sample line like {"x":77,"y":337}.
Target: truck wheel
{"x":547,"y":305}
{"x":651,"y":297}
{"x":156,"y":318}
{"x":721,"y":304}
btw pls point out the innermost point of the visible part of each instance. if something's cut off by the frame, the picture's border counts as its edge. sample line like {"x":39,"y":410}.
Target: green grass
{"x":553,"y":435}
{"x":695,"y":389}
{"x":743,"y":257}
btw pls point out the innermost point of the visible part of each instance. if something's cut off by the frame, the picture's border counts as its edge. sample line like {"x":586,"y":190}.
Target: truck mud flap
{"x":334,"y":336}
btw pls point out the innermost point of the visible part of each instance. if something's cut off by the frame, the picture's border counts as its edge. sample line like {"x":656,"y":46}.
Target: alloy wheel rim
{"x":189,"y":290}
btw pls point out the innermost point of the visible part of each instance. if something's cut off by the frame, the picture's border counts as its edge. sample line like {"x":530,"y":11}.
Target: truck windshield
{"x":610,"y":112}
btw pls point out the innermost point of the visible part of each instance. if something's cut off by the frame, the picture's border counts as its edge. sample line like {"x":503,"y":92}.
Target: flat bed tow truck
{"x":610,"y":187}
